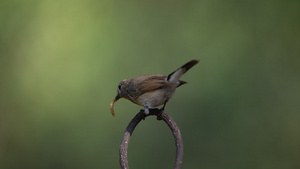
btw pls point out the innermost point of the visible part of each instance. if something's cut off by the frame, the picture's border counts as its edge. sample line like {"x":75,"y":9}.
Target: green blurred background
{"x":61,"y":62}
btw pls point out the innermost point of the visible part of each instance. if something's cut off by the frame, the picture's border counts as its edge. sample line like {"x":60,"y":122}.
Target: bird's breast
{"x":155,"y":98}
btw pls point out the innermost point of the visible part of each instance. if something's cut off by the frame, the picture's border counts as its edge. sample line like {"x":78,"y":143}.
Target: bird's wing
{"x":147,"y":83}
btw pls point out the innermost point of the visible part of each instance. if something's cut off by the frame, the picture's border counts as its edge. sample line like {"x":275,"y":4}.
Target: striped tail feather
{"x":174,"y":76}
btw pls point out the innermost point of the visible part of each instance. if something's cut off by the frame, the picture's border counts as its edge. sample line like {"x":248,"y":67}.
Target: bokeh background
{"x":61,"y":62}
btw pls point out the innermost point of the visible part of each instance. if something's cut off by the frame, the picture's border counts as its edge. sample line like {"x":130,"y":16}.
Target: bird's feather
{"x":147,"y":83}
{"x":174,"y":76}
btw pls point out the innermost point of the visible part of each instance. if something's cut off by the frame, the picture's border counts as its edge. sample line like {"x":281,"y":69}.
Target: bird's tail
{"x":174,"y":76}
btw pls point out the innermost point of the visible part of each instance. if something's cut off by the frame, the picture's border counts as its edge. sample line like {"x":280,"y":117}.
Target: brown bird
{"x":151,"y":91}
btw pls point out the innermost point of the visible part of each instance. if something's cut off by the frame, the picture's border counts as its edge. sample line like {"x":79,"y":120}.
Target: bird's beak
{"x":112,"y":105}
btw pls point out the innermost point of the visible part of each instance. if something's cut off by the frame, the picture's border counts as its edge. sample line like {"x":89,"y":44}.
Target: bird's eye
{"x":119,"y":87}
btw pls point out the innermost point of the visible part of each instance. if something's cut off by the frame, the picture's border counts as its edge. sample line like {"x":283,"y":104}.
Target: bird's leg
{"x":142,"y":112}
{"x":162,"y":110}
{"x":145,"y":112}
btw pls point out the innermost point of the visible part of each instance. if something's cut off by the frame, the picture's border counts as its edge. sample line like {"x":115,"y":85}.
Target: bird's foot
{"x":142,"y":113}
{"x":145,"y":112}
{"x":159,"y":115}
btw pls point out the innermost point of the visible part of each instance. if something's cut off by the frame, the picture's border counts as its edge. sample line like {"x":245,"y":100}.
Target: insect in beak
{"x":112,"y":105}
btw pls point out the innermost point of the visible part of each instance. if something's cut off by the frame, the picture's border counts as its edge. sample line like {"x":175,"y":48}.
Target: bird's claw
{"x":159,"y":115}
{"x":143,"y":114}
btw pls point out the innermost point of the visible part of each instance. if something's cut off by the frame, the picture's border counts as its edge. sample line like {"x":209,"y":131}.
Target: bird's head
{"x":122,"y":93}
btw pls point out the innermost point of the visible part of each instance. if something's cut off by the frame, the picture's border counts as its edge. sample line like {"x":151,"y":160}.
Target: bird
{"x":151,"y":91}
